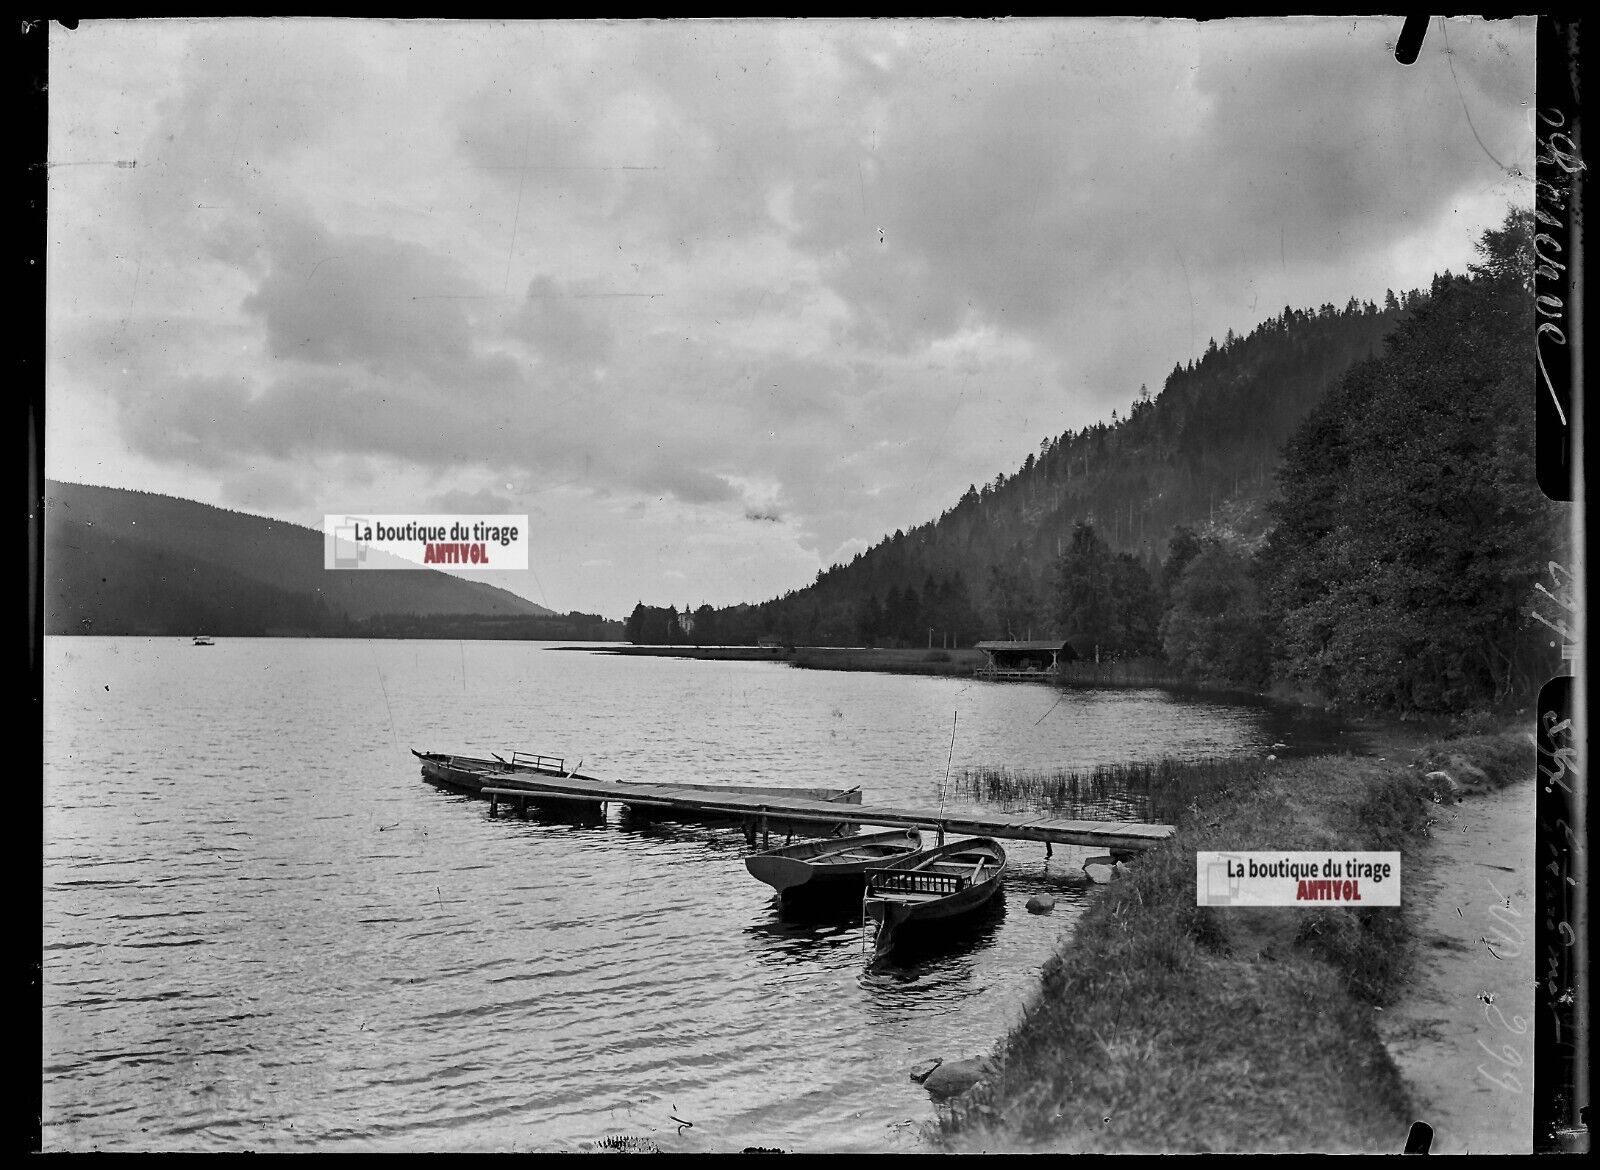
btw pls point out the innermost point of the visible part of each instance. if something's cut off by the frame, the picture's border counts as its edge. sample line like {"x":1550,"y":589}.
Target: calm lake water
{"x":264,"y":931}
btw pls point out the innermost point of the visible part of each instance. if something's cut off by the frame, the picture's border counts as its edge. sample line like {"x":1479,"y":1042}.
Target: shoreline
{"x":956,"y":663}
{"x":1137,"y":1017}
{"x":1160,"y":1026}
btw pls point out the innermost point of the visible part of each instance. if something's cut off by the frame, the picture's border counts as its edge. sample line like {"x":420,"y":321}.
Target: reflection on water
{"x":927,"y":958}
{"x":264,"y":931}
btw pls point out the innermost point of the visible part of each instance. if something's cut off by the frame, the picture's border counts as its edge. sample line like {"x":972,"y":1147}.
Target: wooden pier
{"x":1118,"y":838}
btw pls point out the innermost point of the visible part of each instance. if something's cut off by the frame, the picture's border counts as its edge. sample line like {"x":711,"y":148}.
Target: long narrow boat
{"x":930,"y":887}
{"x":834,"y":867}
{"x":472,"y":774}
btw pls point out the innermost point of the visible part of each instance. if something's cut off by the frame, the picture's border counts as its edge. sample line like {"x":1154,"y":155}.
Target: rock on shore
{"x":954,"y":1077}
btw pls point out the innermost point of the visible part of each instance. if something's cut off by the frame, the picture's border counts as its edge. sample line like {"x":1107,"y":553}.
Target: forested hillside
{"x":1343,"y":502}
{"x":1204,"y":448}
{"x":1411,"y":534}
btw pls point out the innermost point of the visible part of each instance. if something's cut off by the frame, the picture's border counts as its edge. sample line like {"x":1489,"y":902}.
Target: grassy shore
{"x":706,"y":653}
{"x":1163,"y":1026}
{"x":915,"y":660}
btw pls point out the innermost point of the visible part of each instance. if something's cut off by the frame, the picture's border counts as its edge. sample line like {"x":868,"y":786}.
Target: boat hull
{"x":471,"y":775}
{"x":832,"y":867}
{"x":932,"y":887}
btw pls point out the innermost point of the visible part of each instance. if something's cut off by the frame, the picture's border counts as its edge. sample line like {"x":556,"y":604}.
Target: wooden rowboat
{"x":472,"y":774}
{"x":822,"y":868}
{"x":931,"y":887}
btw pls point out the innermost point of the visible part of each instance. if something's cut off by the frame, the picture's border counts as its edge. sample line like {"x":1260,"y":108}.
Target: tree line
{"x":1347,"y":496}
{"x":1408,"y":533}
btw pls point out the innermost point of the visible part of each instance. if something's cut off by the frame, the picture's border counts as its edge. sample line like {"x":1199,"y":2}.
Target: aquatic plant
{"x":1159,"y":790}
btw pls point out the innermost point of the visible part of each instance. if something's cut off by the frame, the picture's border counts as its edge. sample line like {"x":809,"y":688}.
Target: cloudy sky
{"x":716,"y":303}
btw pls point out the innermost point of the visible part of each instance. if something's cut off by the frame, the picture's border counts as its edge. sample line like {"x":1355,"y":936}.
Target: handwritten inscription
{"x":1509,"y":938}
{"x":1560,"y":860}
{"x":1564,"y":599}
{"x":1565,"y":760}
{"x":1560,"y":151}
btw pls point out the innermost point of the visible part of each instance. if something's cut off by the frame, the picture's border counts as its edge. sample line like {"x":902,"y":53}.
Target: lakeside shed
{"x":1030,"y":659}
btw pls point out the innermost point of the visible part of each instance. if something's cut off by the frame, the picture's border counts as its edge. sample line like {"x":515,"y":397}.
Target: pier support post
{"x":494,"y":804}
{"x":522,"y":808}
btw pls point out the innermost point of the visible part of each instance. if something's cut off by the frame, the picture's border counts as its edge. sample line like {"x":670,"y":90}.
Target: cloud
{"x":389,"y":306}
{"x":553,"y":322}
{"x":478,"y":503}
{"x":688,"y":484}
{"x":773,"y":288}
{"x":265,"y":489}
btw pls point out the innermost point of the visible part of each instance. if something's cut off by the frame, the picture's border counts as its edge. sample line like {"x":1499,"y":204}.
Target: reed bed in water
{"x":1157,"y":791}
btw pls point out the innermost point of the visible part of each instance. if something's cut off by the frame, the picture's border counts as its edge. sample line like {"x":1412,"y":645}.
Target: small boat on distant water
{"x":933,"y":886}
{"x":202,"y":640}
{"x":831,"y":867}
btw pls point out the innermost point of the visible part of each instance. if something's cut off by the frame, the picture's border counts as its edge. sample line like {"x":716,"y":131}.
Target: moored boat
{"x":203,"y":640}
{"x":473,"y":774}
{"x":934,"y":886}
{"x":831,"y":867}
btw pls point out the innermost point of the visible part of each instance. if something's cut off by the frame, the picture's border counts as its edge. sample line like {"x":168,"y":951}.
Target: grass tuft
{"x":1160,"y":791}
{"x":1483,"y":761}
{"x":1366,"y":946}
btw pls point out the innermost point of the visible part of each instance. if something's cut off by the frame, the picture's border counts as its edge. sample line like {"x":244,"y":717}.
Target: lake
{"x":264,"y":931}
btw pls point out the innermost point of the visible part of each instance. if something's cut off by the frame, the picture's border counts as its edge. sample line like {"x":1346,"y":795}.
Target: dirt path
{"x":1462,"y":1033}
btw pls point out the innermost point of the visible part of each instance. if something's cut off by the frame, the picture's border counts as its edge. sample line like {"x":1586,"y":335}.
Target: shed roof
{"x":1034,"y":645}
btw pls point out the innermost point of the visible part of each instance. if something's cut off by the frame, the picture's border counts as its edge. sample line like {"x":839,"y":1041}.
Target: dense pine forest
{"x":1342,"y":501}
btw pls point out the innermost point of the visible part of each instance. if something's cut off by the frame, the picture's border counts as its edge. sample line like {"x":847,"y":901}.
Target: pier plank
{"x":1032,"y":826}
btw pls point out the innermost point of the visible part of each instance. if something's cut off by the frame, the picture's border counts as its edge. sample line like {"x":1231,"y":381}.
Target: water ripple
{"x":279,"y":964}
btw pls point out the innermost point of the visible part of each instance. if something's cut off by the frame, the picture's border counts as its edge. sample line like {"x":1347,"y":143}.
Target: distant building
{"x":1032,"y":659}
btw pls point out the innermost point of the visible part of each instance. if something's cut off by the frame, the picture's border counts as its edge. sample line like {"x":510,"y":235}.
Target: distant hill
{"x":128,"y":562}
